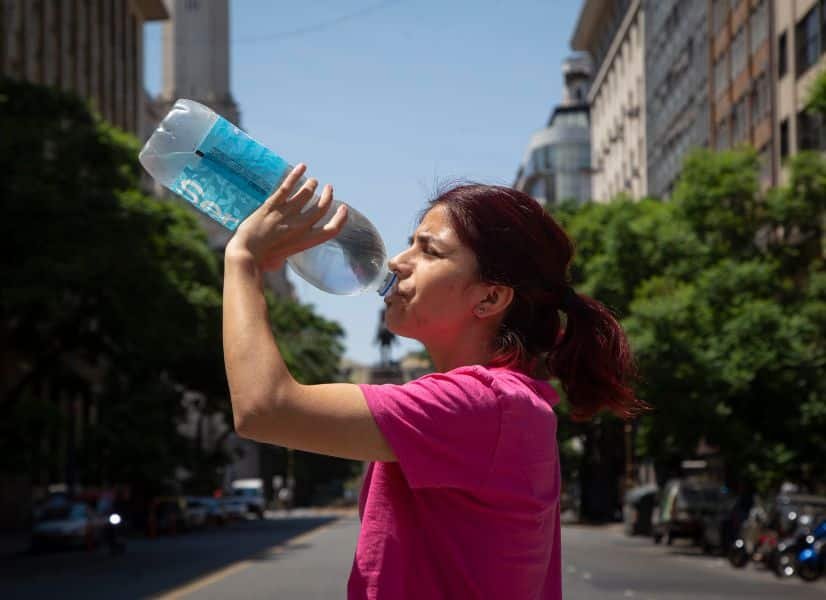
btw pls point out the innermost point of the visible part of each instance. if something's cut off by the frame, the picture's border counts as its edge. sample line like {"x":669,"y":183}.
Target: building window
{"x":760,"y":99}
{"x":807,"y":34}
{"x":738,"y":122}
{"x":722,"y":135}
{"x":721,"y":78}
{"x":822,"y":9}
{"x":759,"y":25}
{"x":721,"y":8}
{"x":782,"y":56}
{"x":739,"y":55}
{"x":810,"y":132}
{"x":784,"y":138}
{"x":764,"y":155}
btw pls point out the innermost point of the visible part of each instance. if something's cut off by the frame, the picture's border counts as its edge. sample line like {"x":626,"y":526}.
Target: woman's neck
{"x":467,"y":350}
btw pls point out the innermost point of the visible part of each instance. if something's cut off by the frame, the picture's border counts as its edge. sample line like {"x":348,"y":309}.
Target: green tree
{"x":111,"y":304}
{"x":721,"y":293}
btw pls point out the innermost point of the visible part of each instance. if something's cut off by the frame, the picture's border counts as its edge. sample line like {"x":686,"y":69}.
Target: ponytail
{"x":593,"y":361}
{"x":518,"y":244}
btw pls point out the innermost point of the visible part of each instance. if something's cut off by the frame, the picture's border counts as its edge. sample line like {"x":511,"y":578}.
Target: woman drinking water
{"x":461,"y":497}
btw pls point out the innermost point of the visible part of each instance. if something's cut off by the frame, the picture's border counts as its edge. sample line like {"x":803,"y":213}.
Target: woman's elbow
{"x":246,"y":419}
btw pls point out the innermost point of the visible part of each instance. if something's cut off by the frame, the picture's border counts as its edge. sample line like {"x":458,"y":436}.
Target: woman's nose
{"x":397,"y":264}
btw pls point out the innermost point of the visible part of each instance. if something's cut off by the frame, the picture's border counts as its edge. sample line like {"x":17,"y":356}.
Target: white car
{"x":251,"y":492}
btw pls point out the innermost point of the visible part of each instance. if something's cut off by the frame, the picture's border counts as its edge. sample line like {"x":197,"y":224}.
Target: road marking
{"x":198,"y":584}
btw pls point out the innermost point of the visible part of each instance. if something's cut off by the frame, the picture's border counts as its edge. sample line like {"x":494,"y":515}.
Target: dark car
{"x":684,"y":505}
{"x":68,"y":524}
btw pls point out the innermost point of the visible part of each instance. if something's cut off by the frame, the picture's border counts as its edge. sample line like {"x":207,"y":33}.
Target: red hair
{"x":519,"y":245}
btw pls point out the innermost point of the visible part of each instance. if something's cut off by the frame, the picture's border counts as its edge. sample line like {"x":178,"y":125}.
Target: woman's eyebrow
{"x":423,"y":237}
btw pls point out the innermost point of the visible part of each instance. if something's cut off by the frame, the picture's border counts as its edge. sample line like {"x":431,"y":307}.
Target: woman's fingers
{"x":334,"y":225}
{"x":299,"y":200}
{"x":323,"y":206}
{"x":282,"y":194}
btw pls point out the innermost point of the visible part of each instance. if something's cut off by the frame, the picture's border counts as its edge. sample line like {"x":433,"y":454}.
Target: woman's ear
{"x":497,"y":300}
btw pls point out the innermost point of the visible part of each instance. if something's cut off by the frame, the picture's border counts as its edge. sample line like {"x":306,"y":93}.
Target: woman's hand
{"x":278,"y":228}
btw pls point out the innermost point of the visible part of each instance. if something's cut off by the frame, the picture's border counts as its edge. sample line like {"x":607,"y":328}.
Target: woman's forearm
{"x":256,"y":372}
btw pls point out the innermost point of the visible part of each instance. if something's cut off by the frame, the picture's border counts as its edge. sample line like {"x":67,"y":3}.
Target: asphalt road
{"x":603,"y":563}
{"x":308,"y":556}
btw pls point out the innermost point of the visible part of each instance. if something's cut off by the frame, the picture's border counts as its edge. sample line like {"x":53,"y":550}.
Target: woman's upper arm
{"x":331,"y":419}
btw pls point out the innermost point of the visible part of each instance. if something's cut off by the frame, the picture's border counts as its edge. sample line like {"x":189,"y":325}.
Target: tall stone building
{"x":557,"y":162}
{"x":196,"y":59}
{"x":91,"y":47}
{"x":196,"y":65}
{"x":612,"y":32}
{"x":800,"y":48}
{"x":741,"y":87}
{"x":676,"y":87}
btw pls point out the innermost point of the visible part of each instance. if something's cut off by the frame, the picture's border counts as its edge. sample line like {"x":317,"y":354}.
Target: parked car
{"x":682,"y":506}
{"x":637,"y":509}
{"x":216,"y":513}
{"x":66,"y":524}
{"x":251,"y":491}
{"x":234,"y":507}
{"x":195,"y":513}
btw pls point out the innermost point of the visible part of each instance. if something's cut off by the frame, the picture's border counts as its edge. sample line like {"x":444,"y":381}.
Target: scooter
{"x":785,"y":561}
{"x":756,"y":541}
{"x":742,"y":553}
{"x":811,"y":560}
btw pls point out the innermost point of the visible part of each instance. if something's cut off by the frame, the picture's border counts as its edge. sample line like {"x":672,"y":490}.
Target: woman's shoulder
{"x":502,"y":381}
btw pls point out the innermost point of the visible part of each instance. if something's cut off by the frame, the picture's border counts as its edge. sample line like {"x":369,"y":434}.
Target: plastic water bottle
{"x":226,"y":174}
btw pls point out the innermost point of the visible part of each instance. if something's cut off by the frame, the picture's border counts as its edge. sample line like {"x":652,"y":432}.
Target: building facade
{"x":741,"y":85}
{"x":556,"y":166}
{"x":676,"y":87}
{"x":612,"y":32}
{"x":800,"y":48}
{"x":93,"y":48}
{"x":196,"y":58}
{"x":196,"y":65}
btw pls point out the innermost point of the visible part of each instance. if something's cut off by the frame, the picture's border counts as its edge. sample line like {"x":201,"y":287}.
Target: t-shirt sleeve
{"x":443,"y":427}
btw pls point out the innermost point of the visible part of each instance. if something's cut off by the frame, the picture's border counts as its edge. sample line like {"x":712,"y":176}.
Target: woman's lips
{"x":394,"y":294}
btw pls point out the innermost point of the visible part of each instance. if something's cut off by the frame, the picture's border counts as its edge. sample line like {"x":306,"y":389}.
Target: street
{"x":307,"y":555}
{"x":602,"y":563}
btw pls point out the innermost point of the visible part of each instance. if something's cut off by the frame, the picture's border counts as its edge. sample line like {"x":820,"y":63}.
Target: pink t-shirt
{"x":471,"y":508}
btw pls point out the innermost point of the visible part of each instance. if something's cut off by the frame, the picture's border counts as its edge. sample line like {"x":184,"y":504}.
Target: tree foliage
{"x":721,"y":292}
{"x":111,"y":299}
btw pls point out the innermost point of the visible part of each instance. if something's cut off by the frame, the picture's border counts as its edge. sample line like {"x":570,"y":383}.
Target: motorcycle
{"x":785,"y":561}
{"x":812,"y":558}
{"x":755,"y":542}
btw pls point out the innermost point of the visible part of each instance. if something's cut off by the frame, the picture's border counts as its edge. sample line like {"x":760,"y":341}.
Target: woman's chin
{"x":395,"y":322}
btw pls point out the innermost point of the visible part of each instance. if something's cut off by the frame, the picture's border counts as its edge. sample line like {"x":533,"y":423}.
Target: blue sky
{"x":388,"y":100}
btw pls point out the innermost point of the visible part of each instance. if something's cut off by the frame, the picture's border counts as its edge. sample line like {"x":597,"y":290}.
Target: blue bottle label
{"x":232,"y":175}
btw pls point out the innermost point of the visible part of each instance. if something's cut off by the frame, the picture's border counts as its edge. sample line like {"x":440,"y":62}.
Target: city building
{"x":196,"y":58}
{"x":800,"y":46}
{"x":557,"y":163}
{"x":612,"y":33}
{"x":196,"y":65}
{"x":741,"y":82}
{"x":676,"y":87}
{"x":93,"y":48}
